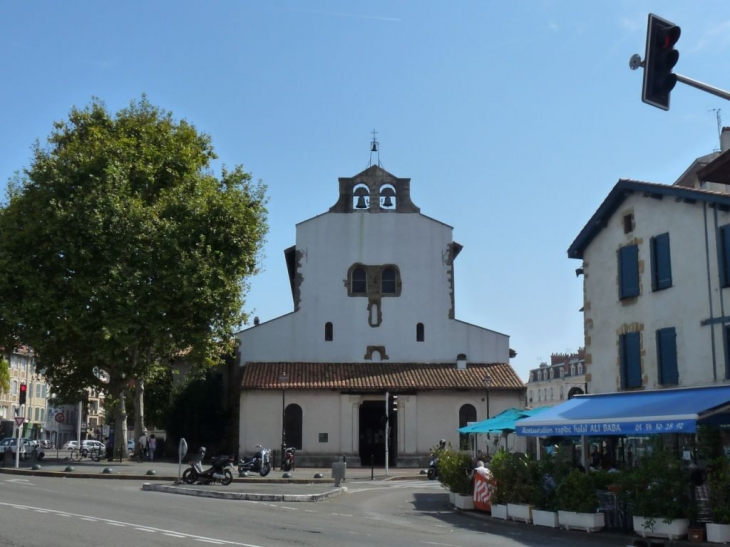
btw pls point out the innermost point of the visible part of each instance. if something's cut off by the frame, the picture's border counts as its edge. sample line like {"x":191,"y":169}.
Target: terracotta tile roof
{"x":379,"y":376}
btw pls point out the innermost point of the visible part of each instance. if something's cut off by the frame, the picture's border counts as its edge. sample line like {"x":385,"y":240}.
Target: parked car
{"x":85,"y":446}
{"x":11,"y":443}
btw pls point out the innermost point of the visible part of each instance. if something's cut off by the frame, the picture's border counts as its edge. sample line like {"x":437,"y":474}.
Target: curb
{"x":241,"y":496}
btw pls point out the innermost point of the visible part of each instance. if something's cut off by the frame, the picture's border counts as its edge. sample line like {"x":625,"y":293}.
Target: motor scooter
{"x":433,"y":468}
{"x":219,"y":470}
{"x":259,"y":463}
{"x":287,"y":463}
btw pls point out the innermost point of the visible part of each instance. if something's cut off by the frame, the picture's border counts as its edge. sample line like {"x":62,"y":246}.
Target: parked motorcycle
{"x":433,"y":469}
{"x":258,"y":463}
{"x":433,"y":465}
{"x":289,"y":455}
{"x":219,"y":470}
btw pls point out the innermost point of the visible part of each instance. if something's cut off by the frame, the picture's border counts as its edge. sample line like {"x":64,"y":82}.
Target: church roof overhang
{"x":378,"y":377}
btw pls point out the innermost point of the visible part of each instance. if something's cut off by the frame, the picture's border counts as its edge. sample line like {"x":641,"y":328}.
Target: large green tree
{"x":125,"y":249}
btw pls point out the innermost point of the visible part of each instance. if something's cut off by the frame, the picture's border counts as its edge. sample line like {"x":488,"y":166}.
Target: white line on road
{"x":171,"y":533}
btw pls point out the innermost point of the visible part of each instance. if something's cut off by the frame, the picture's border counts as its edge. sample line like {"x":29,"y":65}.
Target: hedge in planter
{"x":455,"y":471}
{"x":659,"y":489}
{"x":577,"y":493}
{"x":718,"y":481}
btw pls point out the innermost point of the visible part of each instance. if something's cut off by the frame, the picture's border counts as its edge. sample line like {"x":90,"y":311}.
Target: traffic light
{"x":23,"y":394}
{"x":659,"y":60}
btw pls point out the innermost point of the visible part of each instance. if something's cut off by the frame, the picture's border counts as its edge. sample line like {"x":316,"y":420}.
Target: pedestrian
{"x":152,"y":446}
{"x":143,"y":445}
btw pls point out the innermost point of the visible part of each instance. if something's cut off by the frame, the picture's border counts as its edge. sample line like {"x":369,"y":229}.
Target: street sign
{"x":59,"y":417}
{"x":19,"y":420}
{"x":182,"y":448}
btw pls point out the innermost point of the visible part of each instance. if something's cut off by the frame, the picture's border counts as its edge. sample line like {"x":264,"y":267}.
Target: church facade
{"x":372,"y":360}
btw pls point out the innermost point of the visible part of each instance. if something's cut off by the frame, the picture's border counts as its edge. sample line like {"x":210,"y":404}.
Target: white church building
{"x":372,"y":349}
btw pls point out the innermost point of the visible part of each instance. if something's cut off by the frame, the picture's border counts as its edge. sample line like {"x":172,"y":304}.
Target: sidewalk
{"x":162,"y":470}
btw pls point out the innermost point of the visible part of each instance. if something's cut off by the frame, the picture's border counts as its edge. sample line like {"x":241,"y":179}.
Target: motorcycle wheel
{"x":228,"y":477}
{"x":432,"y":474}
{"x":189,"y":476}
{"x":265,"y":469}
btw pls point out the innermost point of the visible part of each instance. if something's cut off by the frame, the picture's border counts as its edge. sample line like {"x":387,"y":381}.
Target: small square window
{"x":324,"y":437}
{"x":628,"y":223}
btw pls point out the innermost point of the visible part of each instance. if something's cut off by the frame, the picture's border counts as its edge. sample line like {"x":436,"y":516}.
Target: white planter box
{"x":499,"y":512}
{"x":545,"y":518}
{"x":659,"y":529}
{"x":464,"y":502}
{"x":518,"y":511}
{"x":452,"y":498}
{"x":718,"y":533}
{"x":590,"y":522}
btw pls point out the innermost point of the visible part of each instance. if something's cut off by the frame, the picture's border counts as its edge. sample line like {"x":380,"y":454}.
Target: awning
{"x":629,"y":413}
{"x":504,"y":421}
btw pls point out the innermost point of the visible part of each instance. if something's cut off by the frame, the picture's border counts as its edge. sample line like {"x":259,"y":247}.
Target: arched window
{"x":420,"y":334}
{"x":551,"y":394}
{"x":388,"y":281}
{"x":572,"y":370}
{"x":467,"y":413}
{"x":358,"y":283}
{"x":328,"y":332}
{"x":15,"y":387}
{"x":293,"y":426}
{"x":580,"y":369}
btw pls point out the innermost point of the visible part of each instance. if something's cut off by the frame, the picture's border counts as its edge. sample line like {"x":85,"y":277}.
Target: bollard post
{"x":372,"y":467}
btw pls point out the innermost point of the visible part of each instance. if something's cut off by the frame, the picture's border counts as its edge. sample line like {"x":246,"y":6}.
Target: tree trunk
{"x":120,"y":423}
{"x":138,"y":411}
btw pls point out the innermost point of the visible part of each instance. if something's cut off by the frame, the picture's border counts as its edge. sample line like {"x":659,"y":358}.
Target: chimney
{"x":461,"y":362}
{"x":725,"y":139}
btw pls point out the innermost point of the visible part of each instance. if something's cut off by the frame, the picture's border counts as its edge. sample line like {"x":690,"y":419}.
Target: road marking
{"x":170,"y":533}
{"x":25,"y":482}
{"x":434,"y":543}
{"x":145,"y":530}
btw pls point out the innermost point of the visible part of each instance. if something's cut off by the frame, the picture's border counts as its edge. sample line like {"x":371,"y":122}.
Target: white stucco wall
{"x":423,"y":419}
{"x":695,"y":291}
{"x":330,"y":244}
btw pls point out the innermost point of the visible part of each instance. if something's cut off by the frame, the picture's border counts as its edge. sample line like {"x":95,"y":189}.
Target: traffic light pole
{"x":704,"y":87}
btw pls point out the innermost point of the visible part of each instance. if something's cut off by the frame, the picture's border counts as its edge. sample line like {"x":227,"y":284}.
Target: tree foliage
{"x":125,"y":248}
{"x":197,"y":414}
{"x":4,"y":375}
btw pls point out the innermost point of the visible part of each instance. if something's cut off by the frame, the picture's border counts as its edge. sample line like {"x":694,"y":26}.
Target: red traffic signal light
{"x":659,"y":60}
{"x":23,"y":394}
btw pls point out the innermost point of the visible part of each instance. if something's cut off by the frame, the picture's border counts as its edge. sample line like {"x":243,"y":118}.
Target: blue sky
{"x":512,"y":119}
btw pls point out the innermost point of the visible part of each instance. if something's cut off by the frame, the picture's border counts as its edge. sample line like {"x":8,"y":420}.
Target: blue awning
{"x":629,"y":413}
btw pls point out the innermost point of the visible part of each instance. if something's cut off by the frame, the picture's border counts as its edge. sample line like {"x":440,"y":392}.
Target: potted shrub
{"x":544,"y":475}
{"x":455,"y":475}
{"x":500,"y":468}
{"x":718,"y":482}
{"x":520,"y":496}
{"x":578,"y":503}
{"x":658,"y":494}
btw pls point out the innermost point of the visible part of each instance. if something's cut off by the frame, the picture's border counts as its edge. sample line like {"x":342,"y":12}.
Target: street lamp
{"x":488,"y":384}
{"x":283,"y":380}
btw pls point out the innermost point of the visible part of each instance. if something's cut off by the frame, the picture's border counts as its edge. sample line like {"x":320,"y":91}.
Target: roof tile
{"x":379,"y":376}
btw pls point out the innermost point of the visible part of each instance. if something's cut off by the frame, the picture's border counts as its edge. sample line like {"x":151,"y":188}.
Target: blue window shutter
{"x":661,"y":263}
{"x":667,"y":356}
{"x":628,"y":271}
{"x":630,"y":348}
{"x":724,"y":259}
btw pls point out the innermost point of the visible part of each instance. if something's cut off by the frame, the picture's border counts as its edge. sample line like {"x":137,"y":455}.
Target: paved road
{"x":43,"y":511}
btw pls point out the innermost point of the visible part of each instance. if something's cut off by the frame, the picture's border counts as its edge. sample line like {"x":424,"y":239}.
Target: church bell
{"x":361,"y":203}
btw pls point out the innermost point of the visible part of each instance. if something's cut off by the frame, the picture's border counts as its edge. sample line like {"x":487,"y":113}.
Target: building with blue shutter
{"x":656,"y":279}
